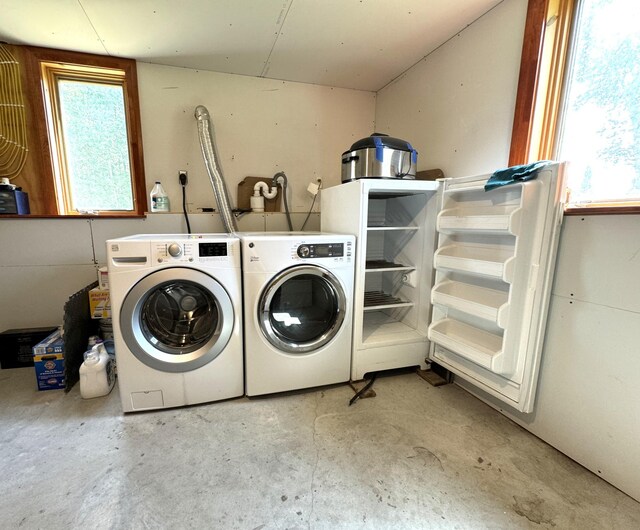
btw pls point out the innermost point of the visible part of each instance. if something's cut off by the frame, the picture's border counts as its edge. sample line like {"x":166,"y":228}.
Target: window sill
{"x":603,"y":210}
{"x":105,"y":216}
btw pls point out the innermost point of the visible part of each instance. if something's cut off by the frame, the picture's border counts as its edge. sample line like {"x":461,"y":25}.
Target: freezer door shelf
{"x":466,"y":185}
{"x":479,"y":346}
{"x":506,"y":389}
{"x":481,"y":219}
{"x":496,"y":263}
{"x":489,"y":304}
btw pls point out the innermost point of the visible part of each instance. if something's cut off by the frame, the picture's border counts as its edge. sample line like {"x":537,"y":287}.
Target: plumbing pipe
{"x":264,"y":188}
{"x":257,"y":200}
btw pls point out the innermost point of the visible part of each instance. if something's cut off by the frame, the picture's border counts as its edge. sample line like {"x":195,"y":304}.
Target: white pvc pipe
{"x":264,"y":188}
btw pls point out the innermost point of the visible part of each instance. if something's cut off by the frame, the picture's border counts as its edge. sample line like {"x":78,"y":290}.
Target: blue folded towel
{"x":512,"y":174}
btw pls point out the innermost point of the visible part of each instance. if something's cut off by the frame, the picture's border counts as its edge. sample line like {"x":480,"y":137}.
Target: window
{"x":579,"y":99}
{"x":86,"y":120}
{"x":88,"y":137}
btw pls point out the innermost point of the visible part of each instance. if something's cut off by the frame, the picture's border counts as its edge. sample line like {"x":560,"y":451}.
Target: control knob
{"x":303,"y":251}
{"x":174,"y":250}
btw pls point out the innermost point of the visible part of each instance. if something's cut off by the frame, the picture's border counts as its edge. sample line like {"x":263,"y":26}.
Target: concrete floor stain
{"x":532,"y":509}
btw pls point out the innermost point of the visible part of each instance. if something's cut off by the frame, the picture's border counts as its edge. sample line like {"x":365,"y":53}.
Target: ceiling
{"x":359,"y":44}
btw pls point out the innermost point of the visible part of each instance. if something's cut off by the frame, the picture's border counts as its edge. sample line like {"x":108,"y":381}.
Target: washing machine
{"x":298,"y":303}
{"x":176,"y":305}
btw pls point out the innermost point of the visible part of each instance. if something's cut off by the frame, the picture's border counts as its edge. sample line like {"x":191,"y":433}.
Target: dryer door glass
{"x":302,"y":309}
{"x":177,"y":319}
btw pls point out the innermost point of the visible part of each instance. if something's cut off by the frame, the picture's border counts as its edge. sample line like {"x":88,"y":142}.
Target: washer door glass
{"x":179,"y":316}
{"x":177,"y":319}
{"x":302,"y":309}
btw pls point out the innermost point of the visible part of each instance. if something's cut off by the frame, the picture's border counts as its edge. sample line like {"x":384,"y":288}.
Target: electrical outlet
{"x":183,"y":177}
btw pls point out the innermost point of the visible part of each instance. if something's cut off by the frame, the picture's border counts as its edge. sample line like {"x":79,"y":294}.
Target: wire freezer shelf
{"x":374,"y":300}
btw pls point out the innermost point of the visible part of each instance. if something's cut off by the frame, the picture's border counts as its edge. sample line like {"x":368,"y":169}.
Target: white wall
{"x":589,"y":395}
{"x":456,"y":107}
{"x":262,"y":127}
{"x":42,"y":263}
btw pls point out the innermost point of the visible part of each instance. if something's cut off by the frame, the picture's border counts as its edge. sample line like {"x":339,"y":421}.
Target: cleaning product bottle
{"x":96,"y":373}
{"x":159,"y":198}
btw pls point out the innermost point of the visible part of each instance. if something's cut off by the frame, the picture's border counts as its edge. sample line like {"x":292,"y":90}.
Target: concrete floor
{"x":413,"y":457}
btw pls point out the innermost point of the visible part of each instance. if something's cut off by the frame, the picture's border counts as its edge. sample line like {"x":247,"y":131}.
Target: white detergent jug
{"x":97,"y":376}
{"x":159,"y":199}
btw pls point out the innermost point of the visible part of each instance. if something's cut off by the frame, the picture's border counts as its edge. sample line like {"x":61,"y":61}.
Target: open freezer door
{"x":494,"y":265}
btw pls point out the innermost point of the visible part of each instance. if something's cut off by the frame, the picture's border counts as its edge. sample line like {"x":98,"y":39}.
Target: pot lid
{"x":381,"y":140}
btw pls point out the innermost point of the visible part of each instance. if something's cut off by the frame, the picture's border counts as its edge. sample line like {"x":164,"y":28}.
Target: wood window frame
{"x":545,"y":55}
{"x":33,"y":58}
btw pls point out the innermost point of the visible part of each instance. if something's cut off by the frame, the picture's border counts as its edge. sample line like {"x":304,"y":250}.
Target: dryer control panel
{"x":321,"y":250}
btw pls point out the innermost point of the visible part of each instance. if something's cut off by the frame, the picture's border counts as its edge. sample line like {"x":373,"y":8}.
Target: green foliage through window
{"x":601,"y":126}
{"x":96,"y":145}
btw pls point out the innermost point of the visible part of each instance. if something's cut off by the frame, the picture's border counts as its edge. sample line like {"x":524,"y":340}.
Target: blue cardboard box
{"x":48,"y":359}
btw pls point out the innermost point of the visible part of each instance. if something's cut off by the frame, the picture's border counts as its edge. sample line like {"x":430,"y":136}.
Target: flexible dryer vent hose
{"x":211,"y":161}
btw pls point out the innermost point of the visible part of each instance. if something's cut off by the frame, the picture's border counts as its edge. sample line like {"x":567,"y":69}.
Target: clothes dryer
{"x":177,"y":319}
{"x":298,"y":296}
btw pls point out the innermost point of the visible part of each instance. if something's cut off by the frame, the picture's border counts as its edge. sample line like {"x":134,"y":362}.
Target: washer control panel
{"x":321,"y":250}
{"x":190,"y":251}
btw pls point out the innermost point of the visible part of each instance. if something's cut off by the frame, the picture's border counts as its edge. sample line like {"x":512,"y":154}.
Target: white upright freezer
{"x":447,"y":272}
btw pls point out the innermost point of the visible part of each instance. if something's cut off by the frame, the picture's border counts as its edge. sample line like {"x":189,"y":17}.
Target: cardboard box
{"x":99,"y":303}
{"x":48,"y":359}
{"x":103,"y":278}
{"x":16,"y":345}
